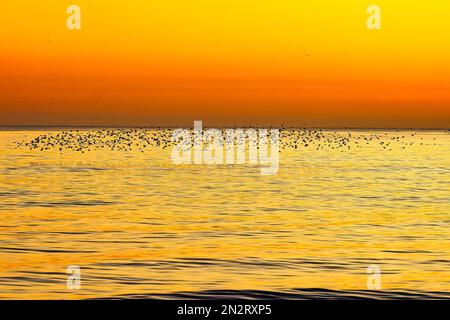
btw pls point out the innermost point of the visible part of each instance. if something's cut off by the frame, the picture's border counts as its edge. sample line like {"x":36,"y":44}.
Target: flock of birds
{"x":140,"y":139}
{"x":326,"y":139}
{"x":110,"y":139}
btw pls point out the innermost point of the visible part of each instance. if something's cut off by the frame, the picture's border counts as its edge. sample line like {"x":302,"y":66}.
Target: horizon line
{"x":219,"y":127}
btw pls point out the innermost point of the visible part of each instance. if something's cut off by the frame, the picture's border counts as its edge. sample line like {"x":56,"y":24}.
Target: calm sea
{"x":139,"y":226}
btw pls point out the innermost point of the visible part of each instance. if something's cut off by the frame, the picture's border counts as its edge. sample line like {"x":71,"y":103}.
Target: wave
{"x":294,"y":294}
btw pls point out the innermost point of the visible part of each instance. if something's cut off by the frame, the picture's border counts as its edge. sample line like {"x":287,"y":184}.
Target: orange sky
{"x":231,"y":62}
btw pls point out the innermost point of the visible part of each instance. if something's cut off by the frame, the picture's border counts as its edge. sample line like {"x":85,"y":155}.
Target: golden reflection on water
{"x":137,"y":224}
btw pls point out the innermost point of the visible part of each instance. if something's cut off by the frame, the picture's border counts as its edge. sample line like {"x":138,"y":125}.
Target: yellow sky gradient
{"x":225,"y":62}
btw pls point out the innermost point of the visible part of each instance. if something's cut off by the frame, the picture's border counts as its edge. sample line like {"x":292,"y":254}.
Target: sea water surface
{"x":140,"y":226}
